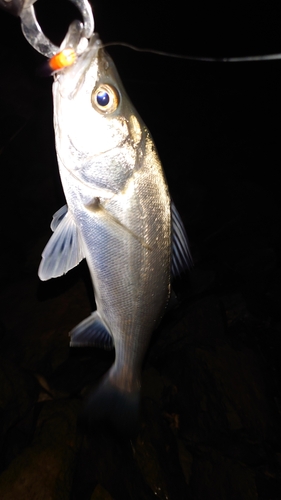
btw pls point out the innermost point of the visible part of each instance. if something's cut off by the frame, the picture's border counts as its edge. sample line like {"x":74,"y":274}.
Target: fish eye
{"x":105,"y":98}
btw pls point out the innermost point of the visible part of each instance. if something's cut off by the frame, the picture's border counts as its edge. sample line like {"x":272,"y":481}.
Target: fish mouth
{"x":76,"y":73}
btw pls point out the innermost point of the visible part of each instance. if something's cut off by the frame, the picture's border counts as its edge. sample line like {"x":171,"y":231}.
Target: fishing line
{"x":269,"y":57}
{"x":67,"y":57}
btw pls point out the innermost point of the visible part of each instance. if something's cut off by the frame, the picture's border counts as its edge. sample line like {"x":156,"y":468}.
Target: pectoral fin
{"x":91,"y":332}
{"x":98,"y":208}
{"x":63,"y":250}
{"x":181,"y":256}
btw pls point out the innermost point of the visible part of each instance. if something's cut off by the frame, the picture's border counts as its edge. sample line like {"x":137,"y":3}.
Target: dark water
{"x":210,"y":425}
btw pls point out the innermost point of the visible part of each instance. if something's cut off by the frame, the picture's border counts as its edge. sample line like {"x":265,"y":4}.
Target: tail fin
{"x":113,"y":407}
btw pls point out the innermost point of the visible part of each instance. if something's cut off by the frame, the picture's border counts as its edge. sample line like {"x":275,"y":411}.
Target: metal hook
{"x":15,"y":7}
{"x":35,"y":36}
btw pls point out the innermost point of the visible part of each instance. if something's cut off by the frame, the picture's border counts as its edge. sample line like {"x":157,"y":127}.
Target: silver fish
{"x":119,"y":216}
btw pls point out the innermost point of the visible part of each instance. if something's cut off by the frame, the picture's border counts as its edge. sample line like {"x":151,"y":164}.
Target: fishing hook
{"x":32,"y":30}
{"x":34,"y":35}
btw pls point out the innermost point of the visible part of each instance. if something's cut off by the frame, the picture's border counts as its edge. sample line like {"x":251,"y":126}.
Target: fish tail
{"x":113,"y":407}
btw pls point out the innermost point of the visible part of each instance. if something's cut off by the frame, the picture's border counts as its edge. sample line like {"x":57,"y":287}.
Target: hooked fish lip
{"x":94,"y":45}
{"x":77,"y":71}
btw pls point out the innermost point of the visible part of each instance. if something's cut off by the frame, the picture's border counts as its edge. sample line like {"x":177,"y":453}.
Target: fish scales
{"x":130,"y":270}
{"x":119,"y":218}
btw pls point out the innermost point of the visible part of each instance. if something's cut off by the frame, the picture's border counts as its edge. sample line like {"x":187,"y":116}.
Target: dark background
{"x":216,"y":127}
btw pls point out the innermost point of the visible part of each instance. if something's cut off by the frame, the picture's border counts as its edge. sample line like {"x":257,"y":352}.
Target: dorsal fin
{"x":181,"y":256}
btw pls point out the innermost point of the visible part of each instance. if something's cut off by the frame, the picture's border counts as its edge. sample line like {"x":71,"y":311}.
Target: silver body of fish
{"x":118,"y":216}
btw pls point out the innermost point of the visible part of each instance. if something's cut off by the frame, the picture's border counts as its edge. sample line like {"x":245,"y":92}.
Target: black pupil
{"x":103,"y":98}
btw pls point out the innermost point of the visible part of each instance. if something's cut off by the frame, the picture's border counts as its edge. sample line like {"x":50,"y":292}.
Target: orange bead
{"x":65,"y":58}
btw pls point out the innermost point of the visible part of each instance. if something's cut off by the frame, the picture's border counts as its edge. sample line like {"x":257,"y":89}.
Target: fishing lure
{"x":63,"y":59}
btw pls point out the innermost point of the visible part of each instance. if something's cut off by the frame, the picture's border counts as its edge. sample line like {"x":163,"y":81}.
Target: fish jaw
{"x":83,"y":134}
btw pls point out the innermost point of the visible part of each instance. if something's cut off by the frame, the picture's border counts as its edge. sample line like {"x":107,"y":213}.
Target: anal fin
{"x":91,"y":332}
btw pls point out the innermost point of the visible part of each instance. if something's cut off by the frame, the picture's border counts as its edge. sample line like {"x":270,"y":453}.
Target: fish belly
{"x":127,"y":242}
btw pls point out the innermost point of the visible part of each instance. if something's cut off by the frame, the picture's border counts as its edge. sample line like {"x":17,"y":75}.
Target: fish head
{"x":94,"y":119}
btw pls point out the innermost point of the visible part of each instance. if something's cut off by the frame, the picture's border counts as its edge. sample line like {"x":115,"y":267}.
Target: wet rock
{"x":198,"y":323}
{"x":101,"y":494}
{"x":268,"y":479}
{"x":216,"y":477}
{"x":156,"y":453}
{"x":44,"y":345}
{"x":107,"y":459}
{"x":230,"y":380}
{"x":44,"y":469}
{"x":18,"y":394}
